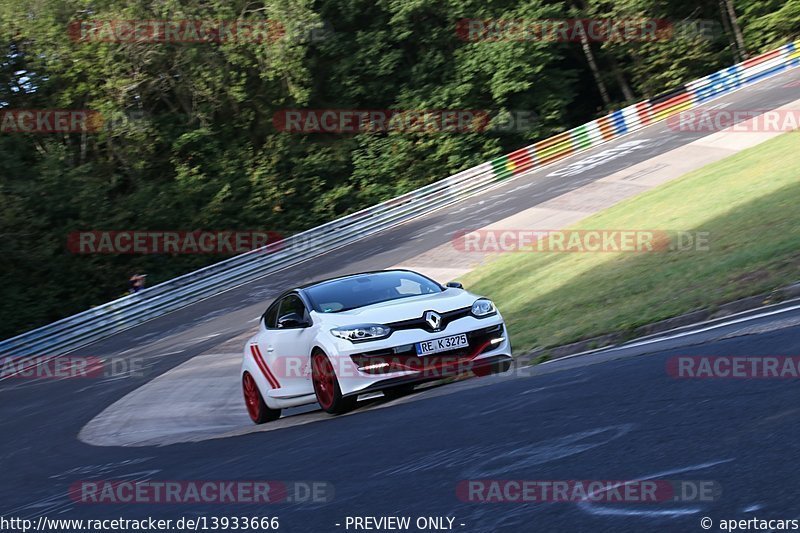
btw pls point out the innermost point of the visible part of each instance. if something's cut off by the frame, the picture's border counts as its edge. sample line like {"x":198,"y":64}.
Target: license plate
{"x":442,"y":345}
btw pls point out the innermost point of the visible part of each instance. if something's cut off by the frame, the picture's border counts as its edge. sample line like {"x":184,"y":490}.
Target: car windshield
{"x":367,"y":289}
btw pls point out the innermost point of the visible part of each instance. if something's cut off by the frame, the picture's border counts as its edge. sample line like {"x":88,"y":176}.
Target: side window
{"x":292,"y":304}
{"x":271,"y":316}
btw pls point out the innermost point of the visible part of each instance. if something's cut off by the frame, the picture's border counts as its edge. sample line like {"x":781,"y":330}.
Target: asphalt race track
{"x":616,"y":415}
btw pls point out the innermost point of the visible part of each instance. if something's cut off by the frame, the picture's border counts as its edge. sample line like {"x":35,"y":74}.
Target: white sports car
{"x":330,"y":341}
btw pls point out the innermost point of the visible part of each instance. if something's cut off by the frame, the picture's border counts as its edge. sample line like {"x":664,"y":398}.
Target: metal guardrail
{"x":102,"y":321}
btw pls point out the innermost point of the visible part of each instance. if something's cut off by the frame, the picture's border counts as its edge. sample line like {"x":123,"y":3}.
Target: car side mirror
{"x":292,"y":320}
{"x":454,"y":285}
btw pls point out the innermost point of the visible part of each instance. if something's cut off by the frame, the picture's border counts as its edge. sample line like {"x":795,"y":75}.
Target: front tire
{"x":326,"y":386}
{"x":256,"y":407}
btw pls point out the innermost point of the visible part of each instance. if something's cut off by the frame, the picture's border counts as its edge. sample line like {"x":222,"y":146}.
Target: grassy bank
{"x":748,"y":203}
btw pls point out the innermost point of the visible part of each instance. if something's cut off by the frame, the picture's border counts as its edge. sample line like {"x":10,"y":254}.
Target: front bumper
{"x":370,"y":366}
{"x":474,"y":365}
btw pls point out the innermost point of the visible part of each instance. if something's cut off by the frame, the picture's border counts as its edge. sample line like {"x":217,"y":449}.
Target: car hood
{"x":402,"y":309}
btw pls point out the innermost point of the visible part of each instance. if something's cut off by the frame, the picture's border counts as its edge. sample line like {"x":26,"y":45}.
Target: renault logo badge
{"x":433,"y":319}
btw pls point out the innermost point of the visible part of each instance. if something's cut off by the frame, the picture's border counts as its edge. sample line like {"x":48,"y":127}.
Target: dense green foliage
{"x":190,"y":144}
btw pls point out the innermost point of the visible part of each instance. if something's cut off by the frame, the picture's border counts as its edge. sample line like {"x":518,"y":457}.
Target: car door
{"x":289,"y":345}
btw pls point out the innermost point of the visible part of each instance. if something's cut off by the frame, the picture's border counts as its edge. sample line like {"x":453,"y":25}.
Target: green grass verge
{"x":750,"y":205}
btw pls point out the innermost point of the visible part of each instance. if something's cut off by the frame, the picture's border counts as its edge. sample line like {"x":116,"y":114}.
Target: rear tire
{"x":326,"y":386}
{"x":256,"y":407}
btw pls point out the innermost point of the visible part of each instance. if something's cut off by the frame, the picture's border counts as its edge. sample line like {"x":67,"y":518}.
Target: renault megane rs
{"x":330,"y":341}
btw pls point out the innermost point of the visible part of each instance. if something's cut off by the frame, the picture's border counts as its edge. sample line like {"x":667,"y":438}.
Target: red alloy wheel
{"x":324,"y":380}
{"x":251,"y":397}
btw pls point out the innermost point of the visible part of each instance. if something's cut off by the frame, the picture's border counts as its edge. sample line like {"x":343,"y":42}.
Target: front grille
{"x":406,"y":358}
{"x":421,"y":323}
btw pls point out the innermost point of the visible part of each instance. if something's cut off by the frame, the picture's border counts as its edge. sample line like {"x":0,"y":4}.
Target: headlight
{"x":362,"y":332}
{"x":483,"y":308}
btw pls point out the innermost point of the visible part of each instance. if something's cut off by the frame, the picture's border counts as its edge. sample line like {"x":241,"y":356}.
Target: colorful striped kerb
{"x":644,"y":113}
